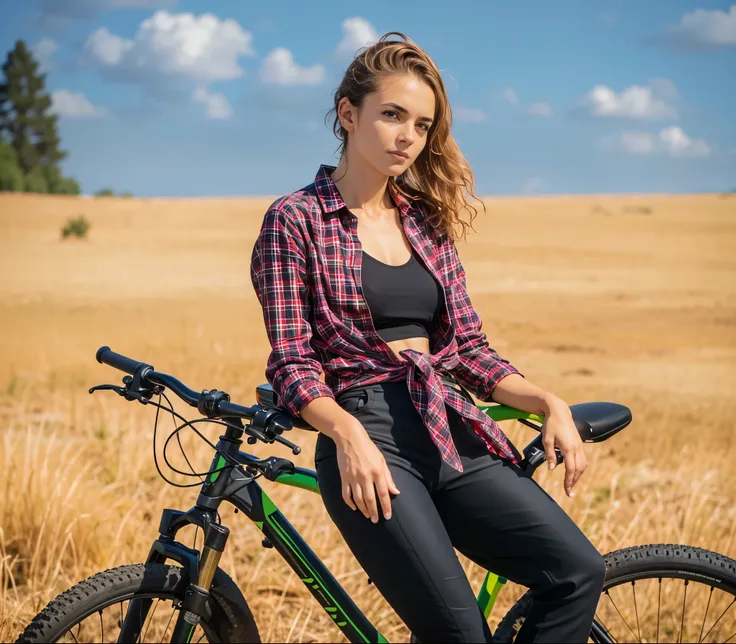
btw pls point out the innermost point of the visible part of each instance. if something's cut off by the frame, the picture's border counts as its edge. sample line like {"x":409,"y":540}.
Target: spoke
{"x":72,"y":634}
{"x":200,"y":638}
{"x":659,"y":606}
{"x":707,"y":606}
{"x":102,"y":628}
{"x":150,"y":621}
{"x":729,"y":639}
{"x":636,"y":610}
{"x":682,"y":619}
{"x":173,"y":610}
{"x":719,"y":618}
{"x":619,"y":613}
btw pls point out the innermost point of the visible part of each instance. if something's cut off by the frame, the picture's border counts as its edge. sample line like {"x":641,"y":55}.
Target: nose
{"x":406,"y":134}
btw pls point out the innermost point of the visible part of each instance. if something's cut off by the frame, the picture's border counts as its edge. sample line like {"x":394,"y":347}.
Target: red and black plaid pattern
{"x":306,"y":272}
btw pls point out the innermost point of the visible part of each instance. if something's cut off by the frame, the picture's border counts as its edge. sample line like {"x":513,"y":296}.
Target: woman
{"x":360,"y":280}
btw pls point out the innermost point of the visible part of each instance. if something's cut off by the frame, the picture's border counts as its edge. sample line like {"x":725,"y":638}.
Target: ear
{"x":347,"y":113}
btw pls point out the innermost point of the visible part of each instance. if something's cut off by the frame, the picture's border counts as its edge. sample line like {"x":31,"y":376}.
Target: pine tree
{"x":28,"y":124}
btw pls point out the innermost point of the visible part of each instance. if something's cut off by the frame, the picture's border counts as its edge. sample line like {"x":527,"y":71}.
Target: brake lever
{"x":140,"y":394}
{"x":295,"y":449}
{"x":116,"y":388}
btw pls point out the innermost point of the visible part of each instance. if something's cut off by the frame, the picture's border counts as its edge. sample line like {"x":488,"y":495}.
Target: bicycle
{"x":204,"y":597}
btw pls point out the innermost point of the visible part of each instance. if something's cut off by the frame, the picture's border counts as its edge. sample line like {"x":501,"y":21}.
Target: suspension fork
{"x":164,"y":548}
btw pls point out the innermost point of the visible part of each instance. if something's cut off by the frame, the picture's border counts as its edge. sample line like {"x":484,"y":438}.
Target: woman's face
{"x":391,"y":129}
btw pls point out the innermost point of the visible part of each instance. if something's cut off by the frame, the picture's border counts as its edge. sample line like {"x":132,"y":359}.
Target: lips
{"x":402,"y":155}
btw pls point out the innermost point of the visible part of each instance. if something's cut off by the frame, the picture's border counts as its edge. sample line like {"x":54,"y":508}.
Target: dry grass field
{"x":627,"y":299}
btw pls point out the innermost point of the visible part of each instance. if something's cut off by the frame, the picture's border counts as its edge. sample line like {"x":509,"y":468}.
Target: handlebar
{"x":106,"y":355}
{"x":266,"y":423}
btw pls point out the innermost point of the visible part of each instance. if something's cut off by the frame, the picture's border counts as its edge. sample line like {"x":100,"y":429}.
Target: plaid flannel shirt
{"x":306,"y":272}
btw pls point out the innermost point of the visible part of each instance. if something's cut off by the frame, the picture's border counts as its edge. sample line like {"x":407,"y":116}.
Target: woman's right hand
{"x":366,"y":479}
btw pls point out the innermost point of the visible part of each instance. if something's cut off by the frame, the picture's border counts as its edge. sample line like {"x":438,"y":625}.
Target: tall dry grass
{"x":637,"y":309}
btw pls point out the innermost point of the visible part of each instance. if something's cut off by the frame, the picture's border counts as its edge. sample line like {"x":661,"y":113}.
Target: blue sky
{"x":186,"y":97}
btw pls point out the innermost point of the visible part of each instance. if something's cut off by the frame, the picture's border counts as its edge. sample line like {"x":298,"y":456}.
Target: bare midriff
{"x":418,"y":344}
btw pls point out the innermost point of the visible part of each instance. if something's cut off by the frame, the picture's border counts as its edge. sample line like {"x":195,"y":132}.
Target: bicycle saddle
{"x":597,"y":421}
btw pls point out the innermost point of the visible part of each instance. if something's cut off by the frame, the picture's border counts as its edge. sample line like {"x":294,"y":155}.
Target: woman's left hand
{"x":559,"y":431}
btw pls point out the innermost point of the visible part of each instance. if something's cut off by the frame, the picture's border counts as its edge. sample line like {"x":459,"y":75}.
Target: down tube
{"x":320,"y":582}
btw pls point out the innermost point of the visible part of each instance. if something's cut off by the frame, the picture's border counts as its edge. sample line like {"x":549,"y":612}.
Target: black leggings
{"x":492,"y":513}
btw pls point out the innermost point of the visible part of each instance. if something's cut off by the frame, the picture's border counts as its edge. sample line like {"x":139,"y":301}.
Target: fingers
{"x":569,"y":471}
{"x":580,"y":464}
{"x":575,"y":464}
{"x":347,"y":496}
{"x":392,"y":487}
{"x":548,"y":442}
{"x":368,"y":494}
{"x":383,"y":498}
{"x":359,"y":498}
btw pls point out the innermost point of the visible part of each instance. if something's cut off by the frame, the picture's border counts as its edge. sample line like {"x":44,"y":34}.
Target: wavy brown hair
{"x":440,"y":178}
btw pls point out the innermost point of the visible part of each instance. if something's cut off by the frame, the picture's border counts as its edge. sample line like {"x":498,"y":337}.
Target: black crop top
{"x":403,"y":300}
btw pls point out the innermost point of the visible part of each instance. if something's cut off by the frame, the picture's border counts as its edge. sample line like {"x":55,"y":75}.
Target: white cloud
{"x":199,"y":47}
{"x":540,"y":109}
{"x":43,"y":50}
{"x":357,"y":33}
{"x":70,"y":104}
{"x":468,"y":114}
{"x":216,"y":105}
{"x":634,"y":102}
{"x":106,"y":48}
{"x":279,"y":68}
{"x":510,"y":96}
{"x":706,"y":28}
{"x":679,"y":144}
{"x":672,"y":141}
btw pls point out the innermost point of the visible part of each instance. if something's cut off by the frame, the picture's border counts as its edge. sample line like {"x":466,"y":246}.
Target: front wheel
{"x":656,"y":593}
{"x":94,"y":609}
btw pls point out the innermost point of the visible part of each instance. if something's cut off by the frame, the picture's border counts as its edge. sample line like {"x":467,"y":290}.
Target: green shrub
{"x":35,"y":181}
{"x":68,"y":186}
{"x":76,"y":227}
{"x":105,"y":192}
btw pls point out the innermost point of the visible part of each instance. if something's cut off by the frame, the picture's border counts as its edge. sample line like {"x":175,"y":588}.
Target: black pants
{"x":492,"y":513}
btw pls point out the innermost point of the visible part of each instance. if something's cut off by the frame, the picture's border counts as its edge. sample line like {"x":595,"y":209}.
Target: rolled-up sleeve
{"x":279,"y":276}
{"x":480,"y":368}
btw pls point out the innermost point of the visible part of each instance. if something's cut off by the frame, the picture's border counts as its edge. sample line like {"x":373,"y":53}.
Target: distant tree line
{"x":30,"y":148}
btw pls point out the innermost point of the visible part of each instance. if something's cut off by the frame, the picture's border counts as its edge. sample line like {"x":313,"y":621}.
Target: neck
{"x":361,"y":186}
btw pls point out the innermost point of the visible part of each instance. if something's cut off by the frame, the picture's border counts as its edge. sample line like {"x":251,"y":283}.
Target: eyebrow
{"x":403,"y":110}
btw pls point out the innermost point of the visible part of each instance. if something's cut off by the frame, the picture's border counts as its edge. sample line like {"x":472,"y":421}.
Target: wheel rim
{"x":103,"y":623}
{"x":667,"y":606}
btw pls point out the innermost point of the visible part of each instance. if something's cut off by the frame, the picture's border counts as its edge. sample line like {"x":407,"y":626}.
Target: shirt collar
{"x":331,"y":200}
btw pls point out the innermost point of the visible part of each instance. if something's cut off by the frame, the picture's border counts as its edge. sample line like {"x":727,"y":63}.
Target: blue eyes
{"x":389,"y":112}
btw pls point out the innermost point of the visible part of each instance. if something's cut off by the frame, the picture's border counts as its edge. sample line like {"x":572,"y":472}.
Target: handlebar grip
{"x":107,"y":356}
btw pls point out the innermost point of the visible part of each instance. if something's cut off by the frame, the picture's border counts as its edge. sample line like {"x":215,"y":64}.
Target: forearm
{"x":325,"y":415}
{"x":516,"y":391}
